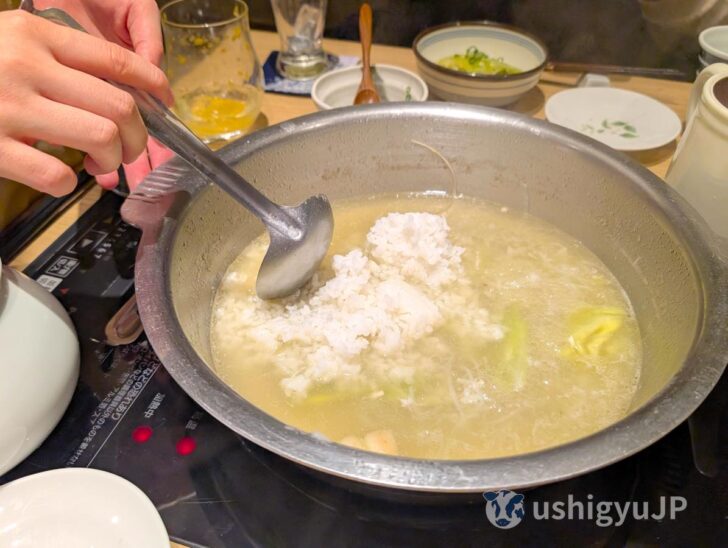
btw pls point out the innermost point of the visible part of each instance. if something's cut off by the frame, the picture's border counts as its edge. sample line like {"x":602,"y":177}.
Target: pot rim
{"x":644,"y":426}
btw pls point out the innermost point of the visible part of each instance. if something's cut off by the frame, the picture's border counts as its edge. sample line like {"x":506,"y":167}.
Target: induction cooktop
{"x":213,"y":488}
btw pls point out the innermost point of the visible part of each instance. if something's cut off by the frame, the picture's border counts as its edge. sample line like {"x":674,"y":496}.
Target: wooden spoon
{"x":367,"y":92}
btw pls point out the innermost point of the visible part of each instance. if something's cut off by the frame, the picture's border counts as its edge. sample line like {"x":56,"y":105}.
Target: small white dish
{"x":78,"y":508}
{"x":338,"y":88}
{"x":624,"y":120}
{"x":516,"y":47}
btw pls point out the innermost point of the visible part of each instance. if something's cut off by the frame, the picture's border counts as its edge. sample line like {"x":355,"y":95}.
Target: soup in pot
{"x":436,"y":328}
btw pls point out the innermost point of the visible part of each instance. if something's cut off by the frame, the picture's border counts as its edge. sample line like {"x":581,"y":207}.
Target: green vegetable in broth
{"x":512,"y":360}
{"x":332,"y":393}
{"x":478,"y":62}
{"x":594,"y":331}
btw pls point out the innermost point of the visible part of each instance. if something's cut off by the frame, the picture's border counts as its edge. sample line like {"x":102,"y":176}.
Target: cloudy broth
{"x":516,"y":337}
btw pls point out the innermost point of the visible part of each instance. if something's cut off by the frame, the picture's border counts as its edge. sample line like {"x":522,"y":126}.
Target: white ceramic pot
{"x":699,"y":168}
{"x":39,"y":364}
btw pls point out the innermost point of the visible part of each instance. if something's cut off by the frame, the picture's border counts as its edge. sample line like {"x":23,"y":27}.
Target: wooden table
{"x":278,"y":108}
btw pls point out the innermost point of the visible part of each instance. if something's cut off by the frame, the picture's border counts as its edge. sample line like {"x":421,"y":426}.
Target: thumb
{"x":144,"y":29}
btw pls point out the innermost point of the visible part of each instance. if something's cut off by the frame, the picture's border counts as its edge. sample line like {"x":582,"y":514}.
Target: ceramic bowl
{"x":338,"y":88}
{"x":514,"y":46}
{"x":703,"y":63}
{"x":714,"y":45}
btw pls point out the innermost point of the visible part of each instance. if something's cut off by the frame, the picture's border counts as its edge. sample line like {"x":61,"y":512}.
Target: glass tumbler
{"x":211,"y":65}
{"x":300,"y":26}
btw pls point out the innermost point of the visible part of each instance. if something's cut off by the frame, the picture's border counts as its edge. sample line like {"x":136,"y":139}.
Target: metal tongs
{"x":299,"y":236}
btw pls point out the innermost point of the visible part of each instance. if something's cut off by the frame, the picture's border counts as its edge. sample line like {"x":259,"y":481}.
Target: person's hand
{"x":154,"y":155}
{"x":53,"y":90}
{"x":133,"y":24}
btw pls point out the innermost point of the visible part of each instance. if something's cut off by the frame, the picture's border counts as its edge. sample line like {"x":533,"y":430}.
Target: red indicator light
{"x":141,"y":434}
{"x":186,"y":445}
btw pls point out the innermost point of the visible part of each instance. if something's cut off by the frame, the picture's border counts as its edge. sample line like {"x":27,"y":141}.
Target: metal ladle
{"x":299,"y":236}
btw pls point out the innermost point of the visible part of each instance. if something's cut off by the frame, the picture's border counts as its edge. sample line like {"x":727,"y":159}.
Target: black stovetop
{"x":213,"y":488}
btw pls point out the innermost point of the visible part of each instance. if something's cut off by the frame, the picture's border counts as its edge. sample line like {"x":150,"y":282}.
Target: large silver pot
{"x":649,"y":237}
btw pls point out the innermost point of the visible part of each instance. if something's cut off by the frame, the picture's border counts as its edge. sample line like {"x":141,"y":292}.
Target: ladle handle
{"x":164,"y":126}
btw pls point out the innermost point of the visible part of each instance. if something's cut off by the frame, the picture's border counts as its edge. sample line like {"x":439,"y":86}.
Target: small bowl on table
{"x":713,"y":45}
{"x":513,"y":46}
{"x":338,"y":88}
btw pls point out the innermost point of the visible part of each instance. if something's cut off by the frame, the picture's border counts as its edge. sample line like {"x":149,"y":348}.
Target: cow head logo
{"x":504,"y":509}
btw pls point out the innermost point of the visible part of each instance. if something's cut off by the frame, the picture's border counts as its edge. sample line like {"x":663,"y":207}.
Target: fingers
{"x":36,"y":169}
{"x":93,"y":167}
{"x":108,"y":180}
{"x":76,"y":128}
{"x":75,"y":88}
{"x":158,"y":153}
{"x":136,"y":171}
{"x":57,"y":94}
{"x":106,"y":60}
{"x":145,"y":30}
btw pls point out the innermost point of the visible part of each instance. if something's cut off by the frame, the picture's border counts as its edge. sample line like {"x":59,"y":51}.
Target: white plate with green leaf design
{"x":622,"y":119}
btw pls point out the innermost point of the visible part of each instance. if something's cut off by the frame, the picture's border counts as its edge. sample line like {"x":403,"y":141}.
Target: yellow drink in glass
{"x":214,"y":72}
{"x":219,"y":114}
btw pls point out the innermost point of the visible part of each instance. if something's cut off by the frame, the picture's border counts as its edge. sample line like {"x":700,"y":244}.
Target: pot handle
{"x":697,"y":90}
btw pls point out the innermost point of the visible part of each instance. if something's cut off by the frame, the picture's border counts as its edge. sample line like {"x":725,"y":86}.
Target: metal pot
{"x":656,"y":245}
